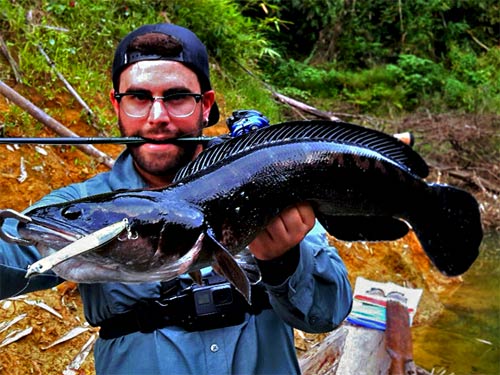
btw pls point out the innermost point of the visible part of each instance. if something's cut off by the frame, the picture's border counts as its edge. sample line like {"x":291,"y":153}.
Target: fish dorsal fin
{"x":333,"y":131}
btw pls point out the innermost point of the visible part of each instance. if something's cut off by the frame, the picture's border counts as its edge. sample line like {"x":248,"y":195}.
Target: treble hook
{"x":12,"y":214}
{"x":129,"y":235}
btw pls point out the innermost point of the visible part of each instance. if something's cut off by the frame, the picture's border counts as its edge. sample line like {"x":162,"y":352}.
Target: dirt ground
{"x":53,"y":313}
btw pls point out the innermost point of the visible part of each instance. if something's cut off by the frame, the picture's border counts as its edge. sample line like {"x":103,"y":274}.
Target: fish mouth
{"x":55,"y":236}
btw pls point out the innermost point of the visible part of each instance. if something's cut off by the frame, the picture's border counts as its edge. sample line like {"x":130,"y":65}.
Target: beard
{"x":166,"y":164}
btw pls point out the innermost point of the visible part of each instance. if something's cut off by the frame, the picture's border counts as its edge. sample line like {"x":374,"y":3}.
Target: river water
{"x":466,"y":338}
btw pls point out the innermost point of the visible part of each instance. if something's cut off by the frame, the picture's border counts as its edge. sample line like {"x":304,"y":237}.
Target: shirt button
{"x":214,"y":348}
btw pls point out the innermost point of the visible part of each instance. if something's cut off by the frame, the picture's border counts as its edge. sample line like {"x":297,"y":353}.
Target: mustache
{"x":193,"y":137}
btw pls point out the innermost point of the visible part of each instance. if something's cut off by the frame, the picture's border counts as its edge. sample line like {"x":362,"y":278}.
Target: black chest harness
{"x":215,"y":304}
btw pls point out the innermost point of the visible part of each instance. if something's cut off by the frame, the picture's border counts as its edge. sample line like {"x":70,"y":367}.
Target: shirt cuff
{"x":277,"y":271}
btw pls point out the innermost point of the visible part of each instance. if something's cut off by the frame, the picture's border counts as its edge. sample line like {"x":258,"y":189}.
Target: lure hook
{"x":12,"y":214}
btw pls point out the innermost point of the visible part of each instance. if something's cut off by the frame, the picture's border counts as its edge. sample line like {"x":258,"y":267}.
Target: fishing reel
{"x":245,"y":121}
{"x":241,"y":122}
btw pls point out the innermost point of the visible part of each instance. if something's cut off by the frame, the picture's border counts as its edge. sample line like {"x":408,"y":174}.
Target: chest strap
{"x":197,"y":309}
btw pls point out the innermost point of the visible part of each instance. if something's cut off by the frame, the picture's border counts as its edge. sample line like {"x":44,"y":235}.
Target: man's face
{"x":158,"y":163}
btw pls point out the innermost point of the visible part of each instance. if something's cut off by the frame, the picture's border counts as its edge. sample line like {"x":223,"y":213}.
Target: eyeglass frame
{"x":197,"y":97}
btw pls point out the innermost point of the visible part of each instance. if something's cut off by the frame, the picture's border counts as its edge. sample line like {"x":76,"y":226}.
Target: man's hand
{"x":283,"y":232}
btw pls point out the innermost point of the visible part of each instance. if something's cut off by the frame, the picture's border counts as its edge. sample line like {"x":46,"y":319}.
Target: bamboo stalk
{"x":51,"y":123}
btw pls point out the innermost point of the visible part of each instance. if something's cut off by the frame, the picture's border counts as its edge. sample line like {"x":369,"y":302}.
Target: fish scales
{"x":362,"y":184}
{"x":293,"y":173}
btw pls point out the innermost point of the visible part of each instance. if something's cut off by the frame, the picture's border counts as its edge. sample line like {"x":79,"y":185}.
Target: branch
{"x":10,"y":59}
{"x":51,"y":123}
{"x":469,"y":177}
{"x":482,"y":45}
{"x":68,"y":86}
{"x":304,"y":107}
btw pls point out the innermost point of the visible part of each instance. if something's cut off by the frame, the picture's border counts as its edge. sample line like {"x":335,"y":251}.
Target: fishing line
{"x":23,"y":289}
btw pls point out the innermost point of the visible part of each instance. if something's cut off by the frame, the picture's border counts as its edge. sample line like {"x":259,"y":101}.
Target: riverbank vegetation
{"x":374,"y":57}
{"x":430,"y":67}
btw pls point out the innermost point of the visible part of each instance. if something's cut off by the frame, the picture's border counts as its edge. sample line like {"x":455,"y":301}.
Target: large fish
{"x":362,"y":184}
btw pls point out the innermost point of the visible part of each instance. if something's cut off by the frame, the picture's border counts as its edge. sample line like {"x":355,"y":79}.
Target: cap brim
{"x":213,"y":117}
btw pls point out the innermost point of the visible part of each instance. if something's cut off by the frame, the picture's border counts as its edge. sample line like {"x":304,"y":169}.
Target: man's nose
{"x":158,"y":110}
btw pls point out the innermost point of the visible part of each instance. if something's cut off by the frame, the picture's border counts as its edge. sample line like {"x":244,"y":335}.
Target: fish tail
{"x":449,"y":229}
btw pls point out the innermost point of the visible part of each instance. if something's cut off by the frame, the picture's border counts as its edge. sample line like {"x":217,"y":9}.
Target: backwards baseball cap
{"x":192,"y":53}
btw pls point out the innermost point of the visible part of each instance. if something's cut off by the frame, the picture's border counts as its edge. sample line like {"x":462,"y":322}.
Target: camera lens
{"x":222,"y":296}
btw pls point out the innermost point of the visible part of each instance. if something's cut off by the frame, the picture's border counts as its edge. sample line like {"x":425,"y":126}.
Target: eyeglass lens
{"x":176,"y":105}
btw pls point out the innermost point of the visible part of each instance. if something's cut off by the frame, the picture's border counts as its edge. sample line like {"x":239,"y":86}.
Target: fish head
{"x":157,"y":232}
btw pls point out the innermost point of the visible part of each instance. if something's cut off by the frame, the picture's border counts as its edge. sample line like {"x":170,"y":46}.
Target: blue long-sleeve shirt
{"x":315,"y":298}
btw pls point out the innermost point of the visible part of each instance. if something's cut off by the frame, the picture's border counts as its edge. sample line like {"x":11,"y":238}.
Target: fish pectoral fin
{"x":196,"y":277}
{"x":227,"y":266}
{"x":187,"y":260}
{"x":364,"y":228}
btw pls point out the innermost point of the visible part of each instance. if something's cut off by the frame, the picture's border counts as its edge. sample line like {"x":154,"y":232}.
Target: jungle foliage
{"x":383,"y":56}
{"x":379,"y":57}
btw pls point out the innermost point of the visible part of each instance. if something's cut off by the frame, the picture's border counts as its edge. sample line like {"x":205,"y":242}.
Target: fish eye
{"x":71,"y":213}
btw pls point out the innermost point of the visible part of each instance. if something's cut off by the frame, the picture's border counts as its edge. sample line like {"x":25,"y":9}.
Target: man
{"x":161,"y":90}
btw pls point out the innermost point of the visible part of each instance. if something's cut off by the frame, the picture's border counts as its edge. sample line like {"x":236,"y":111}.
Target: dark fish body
{"x":362,"y":184}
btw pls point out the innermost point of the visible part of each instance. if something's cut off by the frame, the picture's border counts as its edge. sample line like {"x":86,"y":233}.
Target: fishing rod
{"x":405,"y":137}
{"x":98,"y":140}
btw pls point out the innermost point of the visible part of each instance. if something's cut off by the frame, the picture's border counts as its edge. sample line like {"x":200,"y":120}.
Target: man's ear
{"x":114,"y":101}
{"x":207,"y":101}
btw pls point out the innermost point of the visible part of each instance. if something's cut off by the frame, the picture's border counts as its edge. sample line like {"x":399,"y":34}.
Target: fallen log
{"x":326,"y":357}
{"x":304,"y":107}
{"x":348,"y":350}
{"x":364,"y":352}
{"x":353,"y":350}
{"x":51,"y":123}
{"x":333,"y":116}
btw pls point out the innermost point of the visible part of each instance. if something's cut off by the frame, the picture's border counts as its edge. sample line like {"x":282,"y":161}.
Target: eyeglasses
{"x":138,"y":103}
